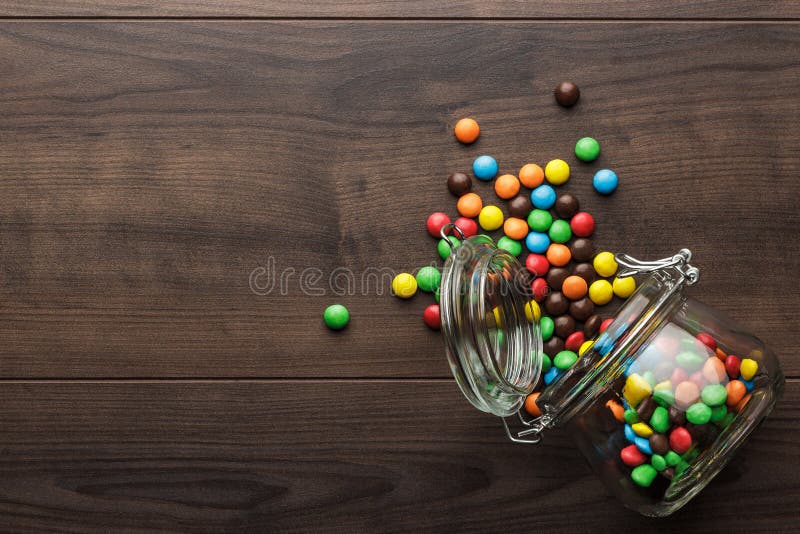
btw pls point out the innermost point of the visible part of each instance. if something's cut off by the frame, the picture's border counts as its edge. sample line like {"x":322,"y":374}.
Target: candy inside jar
{"x":658,"y":402}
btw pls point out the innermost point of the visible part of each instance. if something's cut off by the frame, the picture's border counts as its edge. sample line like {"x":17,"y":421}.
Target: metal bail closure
{"x":679,"y":261}
{"x":443,"y":232}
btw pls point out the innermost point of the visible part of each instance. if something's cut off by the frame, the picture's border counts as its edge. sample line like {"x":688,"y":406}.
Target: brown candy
{"x":556,"y":276}
{"x":676,"y":416}
{"x":567,"y":94}
{"x":459,"y":184}
{"x":520,"y":207}
{"x":553,"y":346}
{"x":698,"y":432}
{"x":585,"y":271}
{"x":592,"y":325}
{"x":659,"y":444}
{"x":646,"y":408}
{"x":556,"y":303}
{"x":567,"y":206}
{"x":582,"y":249}
{"x":581,"y":309}
{"x":668,"y":473}
{"x":564,"y":326}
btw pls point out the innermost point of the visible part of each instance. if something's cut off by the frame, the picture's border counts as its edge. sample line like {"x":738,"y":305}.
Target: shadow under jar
{"x":658,"y":404}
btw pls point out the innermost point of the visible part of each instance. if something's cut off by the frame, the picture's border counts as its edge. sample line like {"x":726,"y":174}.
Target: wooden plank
{"x":514,"y":9}
{"x":149,"y":168}
{"x":331,"y":456}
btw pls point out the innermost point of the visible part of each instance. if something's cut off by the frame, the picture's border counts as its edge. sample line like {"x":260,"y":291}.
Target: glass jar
{"x":658,"y":404}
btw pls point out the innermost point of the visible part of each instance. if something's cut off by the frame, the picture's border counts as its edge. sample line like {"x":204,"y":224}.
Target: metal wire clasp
{"x":443,"y":232}
{"x":679,"y":261}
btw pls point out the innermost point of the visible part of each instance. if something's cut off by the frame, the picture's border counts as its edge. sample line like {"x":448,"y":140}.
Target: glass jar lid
{"x":493,"y":343}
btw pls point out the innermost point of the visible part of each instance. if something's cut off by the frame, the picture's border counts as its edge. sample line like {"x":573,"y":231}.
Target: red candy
{"x":698,"y":378}
{"x":631,"y":456}
{"x":435,"y":222}
{"x":678,"y":376}
{"x":574,"y":341}
{"x":540,"y":289}
{"x":732,"y":364}
{"x":582,"y":224}
{"x":680,"y":440}
{"x":431,"y":317}
{"x":467,"y":226}
{"x":537,"y":264}
{"x":707,"y":340}
{"x":605,"y":324}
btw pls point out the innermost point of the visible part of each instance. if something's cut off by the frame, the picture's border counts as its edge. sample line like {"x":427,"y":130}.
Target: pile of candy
{"x":679,"y":393}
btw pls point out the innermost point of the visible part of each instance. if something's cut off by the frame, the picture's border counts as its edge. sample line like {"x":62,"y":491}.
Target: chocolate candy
{"x":592,"y":325}
{"x":459,"y":184}
{"x":567,"y":206}
{"x":659,"y":444}
{"x":646,"y":408}
{"x":564,"y":325}
{"x":582,"y":309}
{"x":553,"y":346}
{"x":676,"y":416}
{"x":567,"y":94}
{"x":556,"y":276}
{"x":556,"y":303}
{"x":520,"y":206}
{"x":585,"y":271}
{"x":582,"y":249}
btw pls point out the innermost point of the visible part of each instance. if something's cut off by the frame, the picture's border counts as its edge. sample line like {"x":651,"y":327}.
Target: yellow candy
{"x":623,"y":287}
{"x":666,"y":384}
{"x":556,"y":171}
{"x":533,"y":312}
{"x":636,"y":388}
{"x":490,"y":218}
{"x":605,"y":264}
{"x":642,"y":430}
{"x":497,"y":319}
{"x":600,"y":292}
{"x":404,"y":285}
{"x":585,"y":346}
{"x":748,"y":368}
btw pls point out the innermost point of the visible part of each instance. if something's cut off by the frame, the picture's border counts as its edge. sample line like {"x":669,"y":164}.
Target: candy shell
{"x":686,"y":394}
{"x":698,"y":413}
{"x":733,"y":365}
{"x":531,"y":175}
{"x":748,"y":368}
{"x":736,"y":391}
{"x":714,"y":371}
{"x":680,"y":440}
{"x":530,"y":404}
{"x":714,"y":395}
{"x":631,"y":456}
{"x":636,"y":389}
{"x":484,"y":168}
{"x":643,"y":475}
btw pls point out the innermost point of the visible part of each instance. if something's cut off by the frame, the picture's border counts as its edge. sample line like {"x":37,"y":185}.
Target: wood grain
{"x":332,"y":456}
{"x":149,"y":168}
{"x":513,"y":9}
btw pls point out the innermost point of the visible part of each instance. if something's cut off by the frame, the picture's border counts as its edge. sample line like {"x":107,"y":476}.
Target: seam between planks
{"x":435,"y":20}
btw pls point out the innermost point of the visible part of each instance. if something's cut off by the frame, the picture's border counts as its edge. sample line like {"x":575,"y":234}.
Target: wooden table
{"x":154,"y":155}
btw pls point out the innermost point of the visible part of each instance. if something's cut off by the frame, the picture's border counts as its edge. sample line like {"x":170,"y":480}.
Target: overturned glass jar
{"x":658,"y":404}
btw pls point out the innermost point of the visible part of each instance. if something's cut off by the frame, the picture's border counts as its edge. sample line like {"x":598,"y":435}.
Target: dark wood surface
{"x":148,"y":167}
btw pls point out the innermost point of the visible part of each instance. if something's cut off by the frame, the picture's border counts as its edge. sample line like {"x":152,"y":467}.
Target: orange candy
{"x":741,"y":404}
{"x":721,"y":354}
{"x":506,"y":186}
{"x":467,"y":131}
{"x":469,"y":205}
{"x":531,"y":175}
{"x":558,"y":254}
{"x":616,"y":409}
{"x":574,"y":287}
{"x":714,"y":371}
{"x":736,"y":392}
{"x":515,"y":228}
{"x":530,"y":404}
{"x":686,"y":394}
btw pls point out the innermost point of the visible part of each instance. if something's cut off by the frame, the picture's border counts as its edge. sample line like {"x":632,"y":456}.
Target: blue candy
{"x":543,"y":197}
{"x":748,"y":384}
{"x":551,"y":375}
{"x":537,"y":242}
{"x":484,"y":168}
{"x":605,"y":181}
{"x":630,"y":435}
{"x":643,"y":444}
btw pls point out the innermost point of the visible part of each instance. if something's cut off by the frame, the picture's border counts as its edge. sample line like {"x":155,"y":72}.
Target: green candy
{"x":718,"y":413}
{"x":587,"y":149}
{"x":546,"y":363}
{"x":429,"y":278}
{"x":690,"y":361}
{"x":690,"y":455}
{"x":436,"y":294}
{"x":664,"y":397}
{"x":659,"y":421}
{"x":560,"y":231}
{"x":650,"y":377}
{"x":681,"y":467}
{"x":540,"y":220}
{"x":644,"y":475}
{"x":698,"y":414}
{"x":714,"y":395}
{"x":444,"y":249}
{"x":658,"y":462}
{"x":509,"y":245}
{"x":728,"y":419}
{"x":672,"y":458}
{"x":546,"y":326}
{"x":336,"y":316}
{"x":631,"y":417}
{"x":565,"y":359}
